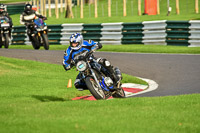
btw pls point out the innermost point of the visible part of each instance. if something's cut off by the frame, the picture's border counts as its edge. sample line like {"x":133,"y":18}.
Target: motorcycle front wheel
{"x":6,"y":42}
{"x":45,"y":41}
{"x":1,"y":43}
{"x":119,"y":93}
{"x":35,"y":42}
{"x":97,"y":92}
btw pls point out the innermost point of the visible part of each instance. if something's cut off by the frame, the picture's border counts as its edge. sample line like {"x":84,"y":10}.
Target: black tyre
{"x":119,"y":93}
{"x":1,"y":43}
{"x":97,"y":92}
{"x":35,"y":42}
{"x":45,"y":41}
{"x":6,"y":42}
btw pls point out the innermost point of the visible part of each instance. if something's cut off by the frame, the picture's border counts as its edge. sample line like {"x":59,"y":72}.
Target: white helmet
{"x":76,"y":38}
{"x":2,"y":8}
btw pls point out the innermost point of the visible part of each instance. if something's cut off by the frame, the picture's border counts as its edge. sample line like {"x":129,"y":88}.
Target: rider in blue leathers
{"x":79,"y":46}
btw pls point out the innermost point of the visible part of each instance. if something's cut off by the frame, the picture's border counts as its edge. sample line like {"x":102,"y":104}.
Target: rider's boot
{"x":115,"y":74}
{"x":79,"y":85}
{"x":118,"y":73}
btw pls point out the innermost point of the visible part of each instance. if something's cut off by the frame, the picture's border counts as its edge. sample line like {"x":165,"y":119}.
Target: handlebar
{"x":82,"y":57}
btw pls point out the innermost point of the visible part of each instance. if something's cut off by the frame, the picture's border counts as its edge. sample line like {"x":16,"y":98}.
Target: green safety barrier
{"x":15,"y":9}
{"x":54,"y":34}
{"x":92,"y":32}
{"x":132,"y":33}
{"x":178,"y":33}
{"x":19,"y":34}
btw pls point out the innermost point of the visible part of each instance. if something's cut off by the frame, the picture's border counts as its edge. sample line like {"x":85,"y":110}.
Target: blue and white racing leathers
{"x":70,"y":55}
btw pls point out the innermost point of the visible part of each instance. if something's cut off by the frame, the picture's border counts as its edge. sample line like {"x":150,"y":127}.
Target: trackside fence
{"x":178,"y":33}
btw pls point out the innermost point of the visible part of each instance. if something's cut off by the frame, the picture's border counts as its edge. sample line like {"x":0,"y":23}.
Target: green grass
{"x":34,"y":98}
{"x":187,"y":12}
{"x":13,"y":1}
{"x":38,"y":76}
{"x":152,"y":49}
{"x":129,"y":48}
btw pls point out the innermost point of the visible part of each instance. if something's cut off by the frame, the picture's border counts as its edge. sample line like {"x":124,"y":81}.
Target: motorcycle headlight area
{"x":5,"y":25}
{"x":81,"y":66}
{"x":5,"y":28}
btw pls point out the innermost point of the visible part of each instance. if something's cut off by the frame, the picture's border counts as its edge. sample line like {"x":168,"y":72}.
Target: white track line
{"x":152,"y":86}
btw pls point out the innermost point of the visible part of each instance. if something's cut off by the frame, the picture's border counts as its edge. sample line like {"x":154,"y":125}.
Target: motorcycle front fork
{"x":94,"y":76}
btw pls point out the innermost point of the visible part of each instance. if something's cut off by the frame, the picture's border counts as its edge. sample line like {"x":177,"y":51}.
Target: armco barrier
{"x":132,"y":33}
{"x":18,"y":35}
{"x":15,"y":9}
{"x":195,"y":33}
{"x":183,"y":33}
{"x":154,"y":32}
{"x":177,"y":33}
{"x":54,"y":34}
{"x":111,"y":33}
{"x":68,"y":30}
{"x":92,"y":32}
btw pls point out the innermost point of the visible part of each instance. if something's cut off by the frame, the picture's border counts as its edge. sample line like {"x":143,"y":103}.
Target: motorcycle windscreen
{"x":39,"y":22}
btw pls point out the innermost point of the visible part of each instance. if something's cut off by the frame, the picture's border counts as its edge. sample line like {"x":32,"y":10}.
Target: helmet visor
{"x":74,"y":44}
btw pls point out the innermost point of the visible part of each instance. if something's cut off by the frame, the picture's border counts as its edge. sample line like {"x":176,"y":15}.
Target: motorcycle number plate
{"x":4,"y":25}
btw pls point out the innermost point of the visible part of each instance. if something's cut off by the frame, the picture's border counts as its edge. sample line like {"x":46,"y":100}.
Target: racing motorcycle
{"x":5,"y":29}
{"x":97,"y":78}
{"x":39,"y":36}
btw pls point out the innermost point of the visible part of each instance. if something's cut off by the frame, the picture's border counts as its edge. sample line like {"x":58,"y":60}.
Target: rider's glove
{"x":99,"y":45}
{"x":44,"y":18}
{"x":66,"y":67}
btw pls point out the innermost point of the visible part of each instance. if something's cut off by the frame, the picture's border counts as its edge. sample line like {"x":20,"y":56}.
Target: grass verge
{"x":187,"y":12}
{"x":25,"y":76}
{"x":129,"y":48}
{"x":34,"y":98}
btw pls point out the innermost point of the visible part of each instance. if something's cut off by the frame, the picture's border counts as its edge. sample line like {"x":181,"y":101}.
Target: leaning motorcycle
{"x":97,"y":78}
{"x":5,"y":29}
{"x":39,"y":36}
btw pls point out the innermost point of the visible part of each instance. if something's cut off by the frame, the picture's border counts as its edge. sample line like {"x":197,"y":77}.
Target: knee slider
{"x":100,"y":60}
{"x":77,"y":85}
{"x":107,"y":63}
{"x":104,"y":62}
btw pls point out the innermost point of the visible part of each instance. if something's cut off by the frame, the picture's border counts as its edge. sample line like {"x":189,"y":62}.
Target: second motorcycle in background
{"x":40,"y":34}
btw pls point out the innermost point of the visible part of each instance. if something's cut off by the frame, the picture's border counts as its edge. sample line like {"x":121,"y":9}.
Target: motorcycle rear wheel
{"x":97,"y":92}
{"x":35,"y":42}
{"x":119,"y":93}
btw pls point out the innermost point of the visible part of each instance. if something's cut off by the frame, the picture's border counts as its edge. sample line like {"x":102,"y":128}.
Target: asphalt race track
{"x":175,"y":74}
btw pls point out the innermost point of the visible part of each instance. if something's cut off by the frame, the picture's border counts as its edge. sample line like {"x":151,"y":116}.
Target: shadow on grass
{"x":49,"y":98}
